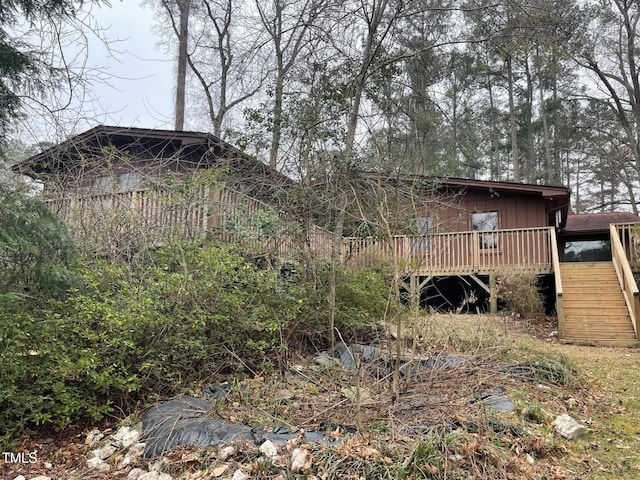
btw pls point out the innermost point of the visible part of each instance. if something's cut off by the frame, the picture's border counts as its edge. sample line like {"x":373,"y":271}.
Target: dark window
{"x":485,"y":222}
{"x":587,"y":251}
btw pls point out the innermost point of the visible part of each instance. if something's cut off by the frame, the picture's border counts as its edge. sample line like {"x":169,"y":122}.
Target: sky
{"x":140,"y":73}
{"x":130,"y":77}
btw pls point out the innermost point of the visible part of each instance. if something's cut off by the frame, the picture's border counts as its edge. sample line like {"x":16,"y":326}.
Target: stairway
{"x":593,"y":306}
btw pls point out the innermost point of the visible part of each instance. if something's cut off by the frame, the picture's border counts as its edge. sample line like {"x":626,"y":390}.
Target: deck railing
{"x":629,"y":235}
{"x":620,"y":256}
{"x":458,"y":253}
{"x":111,"y":221}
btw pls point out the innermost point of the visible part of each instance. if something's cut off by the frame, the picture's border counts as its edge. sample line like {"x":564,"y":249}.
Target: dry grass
{"x":432,"y":426}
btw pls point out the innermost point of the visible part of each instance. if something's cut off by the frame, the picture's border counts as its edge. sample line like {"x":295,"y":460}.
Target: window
{"x":128,"y":181}
{"x":587,"y":251}
{"x":103,"y":184}
{"x":125,"y":182}
{"x":423,"y":242}
{"x":485,"y":222}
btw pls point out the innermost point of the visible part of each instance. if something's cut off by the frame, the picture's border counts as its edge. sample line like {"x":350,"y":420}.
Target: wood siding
{"x":514,"y":211}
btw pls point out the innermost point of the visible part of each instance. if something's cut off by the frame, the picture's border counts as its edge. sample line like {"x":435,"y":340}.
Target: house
{"x":121,"y":189}
{"x":467,"y":232}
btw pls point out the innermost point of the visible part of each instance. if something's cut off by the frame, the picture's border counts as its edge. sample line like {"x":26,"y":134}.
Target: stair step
{"x":593,"y":306}
{"x":596,"y":329}
{"x":602,"y":342}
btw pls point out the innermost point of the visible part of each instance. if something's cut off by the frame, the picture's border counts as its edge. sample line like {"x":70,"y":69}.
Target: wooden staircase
{"x":593,"y":306}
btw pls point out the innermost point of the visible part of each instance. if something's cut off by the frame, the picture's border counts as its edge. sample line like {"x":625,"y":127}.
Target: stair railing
{"x":555,"y":262}
{"x":625,"y":278}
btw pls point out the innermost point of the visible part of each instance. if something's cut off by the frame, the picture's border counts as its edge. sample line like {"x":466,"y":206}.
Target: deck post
{"x":493,"y":294}
{"x":414,"y":292}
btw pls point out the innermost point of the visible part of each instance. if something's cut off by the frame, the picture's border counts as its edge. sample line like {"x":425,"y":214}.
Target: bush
{"x":36,"y":250}
{"x":132,"y":334}
{"x":519,"y":291}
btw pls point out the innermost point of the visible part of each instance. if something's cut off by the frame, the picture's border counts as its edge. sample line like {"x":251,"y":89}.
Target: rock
{"x":135,"y":474}
{"x":155,"y":476}
{"x":365,"y":395}
{"x":20,"y":477}
{"x":268,"y":449}
{"x":125,"y":437}
{"x":568,"y":427}
{"x":327,"y":361}
{"x":41,"y":477}
{"x":94,"y":463}
{"x":134,"y":453}
{"x":301,"y":460}
{"x":103,"y":452}
{"x":239,"y":475}
{"x":226,"y":452}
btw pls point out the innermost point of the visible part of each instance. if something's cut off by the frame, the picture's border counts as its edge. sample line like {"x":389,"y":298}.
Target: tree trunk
{"x":183,"y":39}
{"x":512,"y":123}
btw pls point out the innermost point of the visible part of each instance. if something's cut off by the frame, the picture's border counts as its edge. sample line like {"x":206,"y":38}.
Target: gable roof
{"x":597,"y":222}
{"x":202,"y":149}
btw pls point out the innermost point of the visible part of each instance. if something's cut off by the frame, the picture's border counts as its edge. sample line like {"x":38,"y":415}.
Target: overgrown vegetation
{"x":181,"y":315}
{"x":520,"y":293}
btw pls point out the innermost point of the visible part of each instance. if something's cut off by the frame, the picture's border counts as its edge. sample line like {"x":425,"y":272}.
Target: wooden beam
{"x":481,"y":283}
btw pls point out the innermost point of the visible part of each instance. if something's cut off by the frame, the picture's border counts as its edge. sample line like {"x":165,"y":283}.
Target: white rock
{"x":268,"y":449}
{"x":300,"y":460}
{"x":20,"y":477}
{"x":226,"y":452}
{"x":104,"y":467}
{"x":103,"y":452}
{"x":94,"y":462}
{"x":133,"y":453}
{"x":135,"y":474}
{"x":568,"y":427}
{"x":125,"y":437}
{"x":41,"y":477}
{"x":239,"y":475}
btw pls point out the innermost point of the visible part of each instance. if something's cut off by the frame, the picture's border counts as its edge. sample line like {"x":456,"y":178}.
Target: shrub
{"x":519,"y":291}
{"x":132,"y":334}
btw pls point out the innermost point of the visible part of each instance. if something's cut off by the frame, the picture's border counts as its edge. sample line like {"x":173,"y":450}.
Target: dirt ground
{"x":429,"y":423}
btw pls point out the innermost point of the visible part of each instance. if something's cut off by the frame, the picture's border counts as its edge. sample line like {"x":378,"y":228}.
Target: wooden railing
{"x":128,"y":220}
{"x":458,"y":253}
{"x":629,"y":235}
{"x":625,"y":275}
{"x":555,"y":260}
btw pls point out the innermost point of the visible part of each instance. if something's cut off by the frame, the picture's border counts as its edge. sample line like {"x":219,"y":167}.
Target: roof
{"x":71,"y":152}
{"x":597,"y":222}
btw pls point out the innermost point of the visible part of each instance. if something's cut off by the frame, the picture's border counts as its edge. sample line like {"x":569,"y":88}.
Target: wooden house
{"x":120,"y":188}
{"x":477,"y":230}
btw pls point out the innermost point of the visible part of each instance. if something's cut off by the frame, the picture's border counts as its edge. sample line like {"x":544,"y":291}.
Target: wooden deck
{"x":151,"y":216}
{"x":459,"y":253}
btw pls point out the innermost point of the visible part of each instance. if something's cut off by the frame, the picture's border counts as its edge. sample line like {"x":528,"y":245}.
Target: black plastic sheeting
{"x":185,"y":421}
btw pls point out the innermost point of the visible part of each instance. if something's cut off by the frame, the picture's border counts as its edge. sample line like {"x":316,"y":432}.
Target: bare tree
{"x":219,"y":52}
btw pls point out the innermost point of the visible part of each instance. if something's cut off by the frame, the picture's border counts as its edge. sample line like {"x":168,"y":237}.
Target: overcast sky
{"x":141,"y":72}
{"x":130,"y":78}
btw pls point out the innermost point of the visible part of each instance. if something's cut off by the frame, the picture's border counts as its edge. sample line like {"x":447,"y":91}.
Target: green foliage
{"x":36,"y":250}
{"x":154,"y":329}
{"x":519,"y":291}
{"x":362,"y":297}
